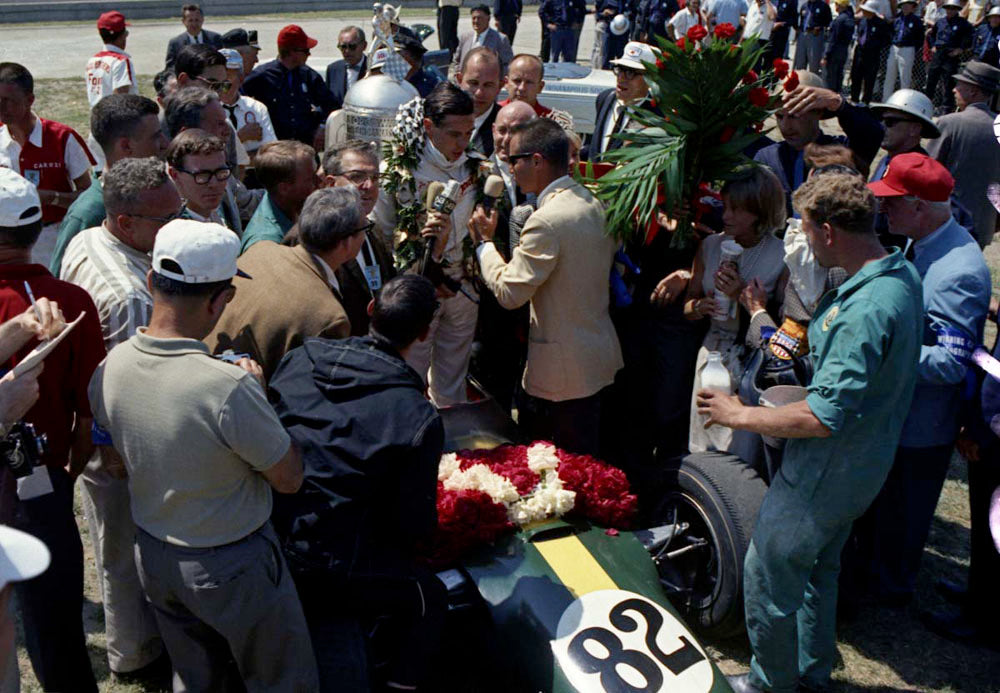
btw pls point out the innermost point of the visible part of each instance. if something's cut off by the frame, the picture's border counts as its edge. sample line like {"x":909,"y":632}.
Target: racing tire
{"x":719,"y":496}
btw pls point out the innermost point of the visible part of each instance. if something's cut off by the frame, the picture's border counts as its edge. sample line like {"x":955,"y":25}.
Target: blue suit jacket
{"x":336,"y":79}
{"x":957,"y":287}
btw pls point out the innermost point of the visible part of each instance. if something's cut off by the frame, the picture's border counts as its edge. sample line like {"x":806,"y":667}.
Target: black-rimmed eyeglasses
{"x":203,"y":177}
{"x":163,"y":220}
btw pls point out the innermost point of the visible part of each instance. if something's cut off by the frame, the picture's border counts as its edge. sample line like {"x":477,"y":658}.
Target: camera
{"x":22,"y":449}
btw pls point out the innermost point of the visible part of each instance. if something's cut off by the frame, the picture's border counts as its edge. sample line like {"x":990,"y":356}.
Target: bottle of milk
{"x":729,"y":256}
{"x":715,"y":376}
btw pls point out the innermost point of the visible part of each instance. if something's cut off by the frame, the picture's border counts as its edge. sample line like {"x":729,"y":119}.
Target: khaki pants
{"x":443,"y":359}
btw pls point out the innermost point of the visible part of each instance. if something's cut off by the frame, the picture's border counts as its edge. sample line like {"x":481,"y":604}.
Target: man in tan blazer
{"x":562,"y":266}
{"x":294,"y":292}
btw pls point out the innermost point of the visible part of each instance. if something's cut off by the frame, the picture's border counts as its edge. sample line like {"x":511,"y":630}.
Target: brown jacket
{"x":287,"y":300}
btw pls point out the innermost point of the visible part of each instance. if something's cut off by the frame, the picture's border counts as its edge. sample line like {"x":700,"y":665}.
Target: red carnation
{"x":759,"y":97}
{"x":697,"y":32}
{"x":652,"y":103}
{"x":792,"y":81}
{"x":750,"y":77}
{"x":727,"y":134}
{"x":780,"y":68}
{"x":682,"y":43}
{"x":659,"y":64}
{"x":724,"y":30}
{"x":758,"y":127}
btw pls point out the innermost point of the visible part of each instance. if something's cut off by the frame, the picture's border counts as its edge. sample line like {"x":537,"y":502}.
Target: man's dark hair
{"x":328,"y":216}
{"x":118,"y":115}
{"x":184,"y":108}
{"x":20,"y":236}
{"x":333,"y":157}
{"x":178,"y":289}
{"x":195,"y":59}
{"x":161,"y":80}
{"x":123,"y":183}
{"x":109,"y":36}
{"x":278,"y":162}
{"x":190,"y":8}
{"x":480,"y":8}
{"x":546,"y":137}
{"x":193,"y":141}
{"x":447,"y":99}
{"x":403,"y":310}
{"x":13,"y":73}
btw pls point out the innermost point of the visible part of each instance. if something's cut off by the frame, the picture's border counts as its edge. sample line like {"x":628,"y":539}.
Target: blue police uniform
{"x":873,"y":36}
{"x":865,"y":341}
{"x":651,"y":17}
{"x":956,"y":296}
{"x":787,"y":14}
{"x":907,"y":40}
{"x":947,"y":34}
{"x":298,"y":101}
{"x":816,"y":17}
{"x":984,"y":44}
{"x":841,"y":38}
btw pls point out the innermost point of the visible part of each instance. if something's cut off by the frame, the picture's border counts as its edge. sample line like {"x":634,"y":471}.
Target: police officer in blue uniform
{"x":948,"y":38}
{"x":651,"y":17}
{"x":613,"y":45}
{"x":873,"y":36}
{"x":984,"y":42}
{"x":296,"y":96}
{"x":837,"y":48}
{"x":816,"y":17}
{"x":907,"y":38}
{"x":786,"y":19}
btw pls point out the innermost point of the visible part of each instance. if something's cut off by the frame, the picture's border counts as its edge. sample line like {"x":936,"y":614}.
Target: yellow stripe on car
{"x":578,"y":570}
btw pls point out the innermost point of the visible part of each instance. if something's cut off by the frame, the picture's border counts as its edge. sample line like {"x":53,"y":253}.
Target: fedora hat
{"x":984,"y":76}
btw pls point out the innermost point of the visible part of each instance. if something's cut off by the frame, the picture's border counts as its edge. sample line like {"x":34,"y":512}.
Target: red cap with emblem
{"x":112,"y":21}
{"x":294,"y":37}
{"x":915,"y":174}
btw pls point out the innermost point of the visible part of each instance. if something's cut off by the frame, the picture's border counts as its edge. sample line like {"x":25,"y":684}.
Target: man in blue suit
{"x":342,"y":74}
{"x":915,"y":194}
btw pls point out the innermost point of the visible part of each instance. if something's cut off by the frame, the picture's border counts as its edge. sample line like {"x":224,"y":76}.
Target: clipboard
{"x":39,"y":353}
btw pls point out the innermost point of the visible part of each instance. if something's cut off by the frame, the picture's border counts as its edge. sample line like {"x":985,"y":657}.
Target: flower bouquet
{"x":714,"y":105}
{"x":483,"y":494}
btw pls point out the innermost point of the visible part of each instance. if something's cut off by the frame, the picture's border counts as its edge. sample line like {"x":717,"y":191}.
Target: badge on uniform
{"x":374,"y":277}
{"x":831,"y":314}
{"x":33,"y":176}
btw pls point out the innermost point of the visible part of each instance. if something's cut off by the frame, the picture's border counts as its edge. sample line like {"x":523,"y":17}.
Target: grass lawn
{"x":880,"y":649}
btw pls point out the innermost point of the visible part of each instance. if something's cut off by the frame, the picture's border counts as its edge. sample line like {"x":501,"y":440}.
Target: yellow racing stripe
{"x":574,"y":565}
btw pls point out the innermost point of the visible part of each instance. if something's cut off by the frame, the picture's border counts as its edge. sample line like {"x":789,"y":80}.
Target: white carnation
{"x":448,"y":465}
{"x":479,"y":477}
{"x":542,"y":456}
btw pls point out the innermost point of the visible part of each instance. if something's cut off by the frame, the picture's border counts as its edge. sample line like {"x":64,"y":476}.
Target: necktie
{"x":617,"y":127}
{"x":232,"y":115}
{"x":910,"y":251}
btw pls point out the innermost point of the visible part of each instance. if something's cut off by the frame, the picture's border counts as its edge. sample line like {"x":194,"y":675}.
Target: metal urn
{"x":370,"y":107}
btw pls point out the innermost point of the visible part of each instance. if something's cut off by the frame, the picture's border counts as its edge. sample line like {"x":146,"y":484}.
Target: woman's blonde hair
{"x":759,"y":192}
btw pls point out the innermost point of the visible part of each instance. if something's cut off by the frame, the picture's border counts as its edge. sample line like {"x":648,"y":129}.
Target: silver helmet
{"x":915,"y":104}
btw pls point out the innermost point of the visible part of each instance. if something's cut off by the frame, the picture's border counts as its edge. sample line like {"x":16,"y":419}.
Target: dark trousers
{"x":779,"y":43}
{"x":337,"y":610}
{"x":614,"y":47}
{"x":508,"y":26}
{"x":501,"y":348}
{"x":892,"y":533}
{"x":562,"y":46}
{"x":448,"y":29}
{"x":51,"y":604}
{"x":836,"y":61}
{"x":864,"y":70}
{"x":984,"y":560}
{"x":573,"y":425}
{"x":545,"y":52}
{"x":943,"y":67}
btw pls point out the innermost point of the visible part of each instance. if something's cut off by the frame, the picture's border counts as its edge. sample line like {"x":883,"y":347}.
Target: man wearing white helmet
{"x":907,"y":37}
{"x":612,"y":104}
{"x":984,"y":40}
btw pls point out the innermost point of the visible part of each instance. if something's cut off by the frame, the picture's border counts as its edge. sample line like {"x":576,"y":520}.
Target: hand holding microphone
{"x":484,"y":220}
{"x":440,"y":203}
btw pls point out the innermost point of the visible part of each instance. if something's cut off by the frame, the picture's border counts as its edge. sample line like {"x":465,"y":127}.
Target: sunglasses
{"x":215,"y":85}
{"x":513,"y":158}
{"x":203,"y":177}
{"x":347,"y":46}
{"x":163,"y":220}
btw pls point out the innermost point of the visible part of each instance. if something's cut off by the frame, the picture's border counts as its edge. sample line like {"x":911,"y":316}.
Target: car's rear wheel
{"x":717,"y":496}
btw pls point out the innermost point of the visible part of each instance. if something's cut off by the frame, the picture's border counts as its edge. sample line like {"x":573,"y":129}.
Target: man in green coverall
{"x":864,"y":340}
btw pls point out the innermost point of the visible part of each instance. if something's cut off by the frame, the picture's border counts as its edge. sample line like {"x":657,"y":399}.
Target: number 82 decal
{"x":613,"y":641}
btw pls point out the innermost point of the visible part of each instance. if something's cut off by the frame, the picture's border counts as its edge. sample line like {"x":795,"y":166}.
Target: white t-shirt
{"x":684,"y":20}
{"x":757,"y":22}
{"x":77,"y":161}
{"x":107,"y":71}
{"x":250,"y":110}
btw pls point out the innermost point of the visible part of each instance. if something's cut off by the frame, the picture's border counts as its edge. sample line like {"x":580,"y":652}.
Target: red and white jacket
{"x":107,"y":71}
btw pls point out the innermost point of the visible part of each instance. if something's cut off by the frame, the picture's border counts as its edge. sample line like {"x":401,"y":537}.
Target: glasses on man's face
{"x":163,"y":220}
{"x":358,"y":177}
{"x":215,"y":85}
{"x":203,"y":177}
{"x":366,"y":228}
{"x":514,"y":158}
{"x":626,"y":72}
{"x":347,"y":46}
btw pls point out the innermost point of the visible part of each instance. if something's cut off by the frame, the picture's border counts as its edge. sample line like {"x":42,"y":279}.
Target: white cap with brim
{"x":635,"y":54}
{"x":951,"y":3}
{"x":871,"y":6}
{"x":234,"y":61}
{"x":22,"y":556}
{"x":204,"y":252}
{"x":19,"y":202}
{"x":994,"y":11}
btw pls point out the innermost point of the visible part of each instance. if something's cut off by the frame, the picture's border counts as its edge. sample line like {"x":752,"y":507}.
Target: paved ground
{"x":62,"y":50}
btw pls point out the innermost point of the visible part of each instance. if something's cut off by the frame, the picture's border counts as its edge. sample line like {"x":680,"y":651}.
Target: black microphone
{"x":441,"y":198}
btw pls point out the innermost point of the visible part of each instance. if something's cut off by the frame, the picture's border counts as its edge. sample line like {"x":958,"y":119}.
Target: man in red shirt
{"x":50,"y":155}
{"x":52,"y":604}
{"x":525,"y":80}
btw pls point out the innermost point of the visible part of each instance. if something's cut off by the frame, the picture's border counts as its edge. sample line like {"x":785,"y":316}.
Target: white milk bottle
{"x":729,"y":257}
{"x":715,"y":376}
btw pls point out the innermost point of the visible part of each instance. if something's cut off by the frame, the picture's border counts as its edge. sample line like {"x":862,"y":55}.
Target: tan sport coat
{"x":287,"y":299}
{"x":562,"y":266}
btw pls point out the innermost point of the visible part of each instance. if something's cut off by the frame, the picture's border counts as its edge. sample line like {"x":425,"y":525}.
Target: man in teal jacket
{"x":864,"y":341}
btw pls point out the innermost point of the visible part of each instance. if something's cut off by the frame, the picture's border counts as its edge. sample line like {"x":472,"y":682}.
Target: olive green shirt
{"x":87,"y":211}
{"x":268,"y":223}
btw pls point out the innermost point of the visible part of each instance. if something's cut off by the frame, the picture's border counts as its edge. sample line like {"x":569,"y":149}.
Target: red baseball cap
{"x":915,"y":174}
{"x":294,"y":37}
{"x":112,"y":21}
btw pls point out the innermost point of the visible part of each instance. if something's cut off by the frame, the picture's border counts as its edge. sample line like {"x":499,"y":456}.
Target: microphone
{"x":492,"y":190}
{"x":442,"y":198}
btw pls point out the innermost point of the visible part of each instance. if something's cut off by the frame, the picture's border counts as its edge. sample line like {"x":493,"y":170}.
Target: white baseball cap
{"x":22,"y":556}
{"x":19,"y":202}
{"x":234,"y":61}
{"x":205,"y":252}
{"x":873,"y":7}
{"x":635,"y":54}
